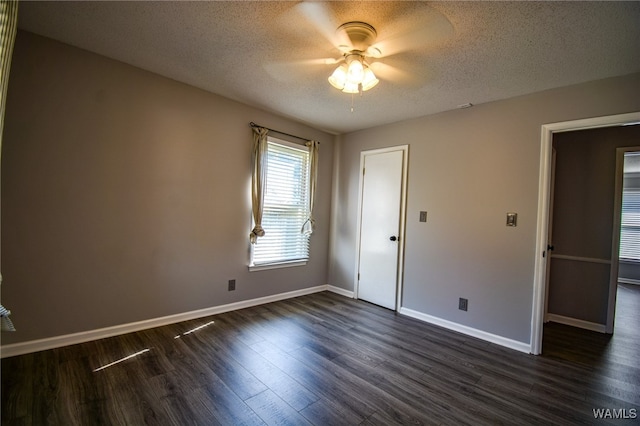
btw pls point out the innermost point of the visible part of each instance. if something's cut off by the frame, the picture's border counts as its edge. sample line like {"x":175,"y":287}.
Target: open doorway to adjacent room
{"x":592,"y":311}
{"x":629,"y":259}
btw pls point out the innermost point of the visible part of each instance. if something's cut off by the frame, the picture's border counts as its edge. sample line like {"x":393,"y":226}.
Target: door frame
{"x":403,"y":209}
{"x":544,"y":191}
{"x":552,"y":187}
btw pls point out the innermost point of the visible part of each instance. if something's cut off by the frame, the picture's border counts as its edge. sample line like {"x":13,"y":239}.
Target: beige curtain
{"x":258,"y":178}
{"x":310,"y":224}
{"x":8,"y":28}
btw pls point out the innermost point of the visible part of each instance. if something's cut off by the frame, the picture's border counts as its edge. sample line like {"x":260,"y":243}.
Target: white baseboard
{"x":469,"y":331}
{"x":101,"y":333}
{"x":340,"y":291}
{"x":628,"y":281}
{"x":600,"y":328}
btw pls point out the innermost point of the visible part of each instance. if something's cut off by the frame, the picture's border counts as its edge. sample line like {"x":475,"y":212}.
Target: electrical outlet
{"x":232,"y":285}
{"x":463,"y":304}
{"x":423,"y":216}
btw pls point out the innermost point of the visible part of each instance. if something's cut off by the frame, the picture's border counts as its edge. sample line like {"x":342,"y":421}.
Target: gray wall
{"x":583,"y":219}
{"x":125,"y":195}
{"x":468,"y":168}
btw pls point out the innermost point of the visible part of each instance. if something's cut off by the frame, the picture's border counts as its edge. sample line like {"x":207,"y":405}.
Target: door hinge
{"x":358,"y":276}
{"x":363,"y":169}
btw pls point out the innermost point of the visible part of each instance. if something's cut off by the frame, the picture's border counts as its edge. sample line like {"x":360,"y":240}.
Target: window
{"x":630,"y":221}
{"x":630,"y":226}
{"x":285,"y":206}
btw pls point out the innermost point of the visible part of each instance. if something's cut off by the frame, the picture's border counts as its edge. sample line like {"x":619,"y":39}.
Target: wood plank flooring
{"x":321,"y":359}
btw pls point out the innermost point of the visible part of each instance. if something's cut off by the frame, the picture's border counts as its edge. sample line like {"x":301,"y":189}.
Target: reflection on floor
{"x":613,"y":359}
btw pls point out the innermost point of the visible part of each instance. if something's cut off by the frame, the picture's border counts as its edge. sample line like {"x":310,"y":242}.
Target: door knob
{"x":393,"y":238}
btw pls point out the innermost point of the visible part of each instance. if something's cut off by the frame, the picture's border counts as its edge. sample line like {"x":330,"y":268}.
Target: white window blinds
{"x":285,"y":207}
{"x":630,"y":229}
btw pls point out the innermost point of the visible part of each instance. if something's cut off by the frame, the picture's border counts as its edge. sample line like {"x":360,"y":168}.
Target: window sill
{"x":253,"y":268}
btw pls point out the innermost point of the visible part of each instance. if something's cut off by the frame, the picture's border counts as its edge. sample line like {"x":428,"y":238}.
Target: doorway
{"x":381,"y":213}
{"x":629,"y":263}
{"x":585,"y":226}
{"x":544,"y":199}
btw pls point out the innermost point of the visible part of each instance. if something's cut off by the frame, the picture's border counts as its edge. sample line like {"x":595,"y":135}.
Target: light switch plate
{"x":512,"y":219}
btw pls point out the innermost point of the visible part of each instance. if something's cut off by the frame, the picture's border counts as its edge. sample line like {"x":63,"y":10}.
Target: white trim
{"x":356,"y":272}
{"x":340,"y":291}
{"x":581,"y":259}
{"x":594,"y":122}
{"x":293,"y":145}
{"x":403,"y":214}
{"x":469,"y":331}
{"x":101,"y":333}
{"x":628,"y":281}
{"x":539,"y":280}
{"x":542,"y":235}
{"x":279,"y":265}
{"x":402,"y":236}
{"x":574,"y":322}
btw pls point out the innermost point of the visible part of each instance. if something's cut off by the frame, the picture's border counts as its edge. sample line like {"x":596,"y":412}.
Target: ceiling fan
{"x":363,"y":57}
{"x":355,"y":74}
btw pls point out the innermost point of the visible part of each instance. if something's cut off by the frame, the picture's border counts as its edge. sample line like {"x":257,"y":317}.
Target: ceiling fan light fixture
{"x":350,"y":87}
{"x":339,"y":77}
{"x":369,"y":80}
{"x":355,"y":70}
{"x":354,"y":75}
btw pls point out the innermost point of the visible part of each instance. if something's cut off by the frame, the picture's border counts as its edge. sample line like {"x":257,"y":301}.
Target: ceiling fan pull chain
{"x":352,"y":102}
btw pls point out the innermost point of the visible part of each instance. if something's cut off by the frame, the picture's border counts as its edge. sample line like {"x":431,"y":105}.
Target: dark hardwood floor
{"x":321,"y":359}
{"x":592,"y":348}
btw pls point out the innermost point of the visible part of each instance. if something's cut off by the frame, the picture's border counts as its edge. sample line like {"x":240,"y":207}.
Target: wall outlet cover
{"x":463,"y":304}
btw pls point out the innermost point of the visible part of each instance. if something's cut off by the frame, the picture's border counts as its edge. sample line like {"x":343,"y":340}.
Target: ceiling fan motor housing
{"x":361,"y":35}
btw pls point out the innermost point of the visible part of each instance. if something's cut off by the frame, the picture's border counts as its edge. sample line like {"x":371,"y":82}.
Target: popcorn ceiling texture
{"x":439,"y":54}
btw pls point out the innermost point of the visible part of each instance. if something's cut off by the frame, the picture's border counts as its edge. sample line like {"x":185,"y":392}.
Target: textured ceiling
{"x":437,"y":55}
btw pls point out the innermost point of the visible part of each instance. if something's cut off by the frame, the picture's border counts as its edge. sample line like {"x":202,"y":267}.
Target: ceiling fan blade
{"x":425,"y":27}
{"x":297,"y":70}
{"x":389,"y":72}
{"x":397,"y":74}
{"x":319,"y":15}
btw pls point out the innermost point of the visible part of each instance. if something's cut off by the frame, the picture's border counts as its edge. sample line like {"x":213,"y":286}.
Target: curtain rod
{"x":252,"y":124}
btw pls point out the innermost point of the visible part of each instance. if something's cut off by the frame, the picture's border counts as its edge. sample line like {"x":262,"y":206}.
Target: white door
{"x":380,"y":226}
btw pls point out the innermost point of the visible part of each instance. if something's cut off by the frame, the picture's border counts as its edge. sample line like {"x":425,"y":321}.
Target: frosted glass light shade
{"x":355,"y":72}
{"x":351,"y":87}
{"x":369,"y":80}
{"x":339,"y":77}
{"x":354,"y":76}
